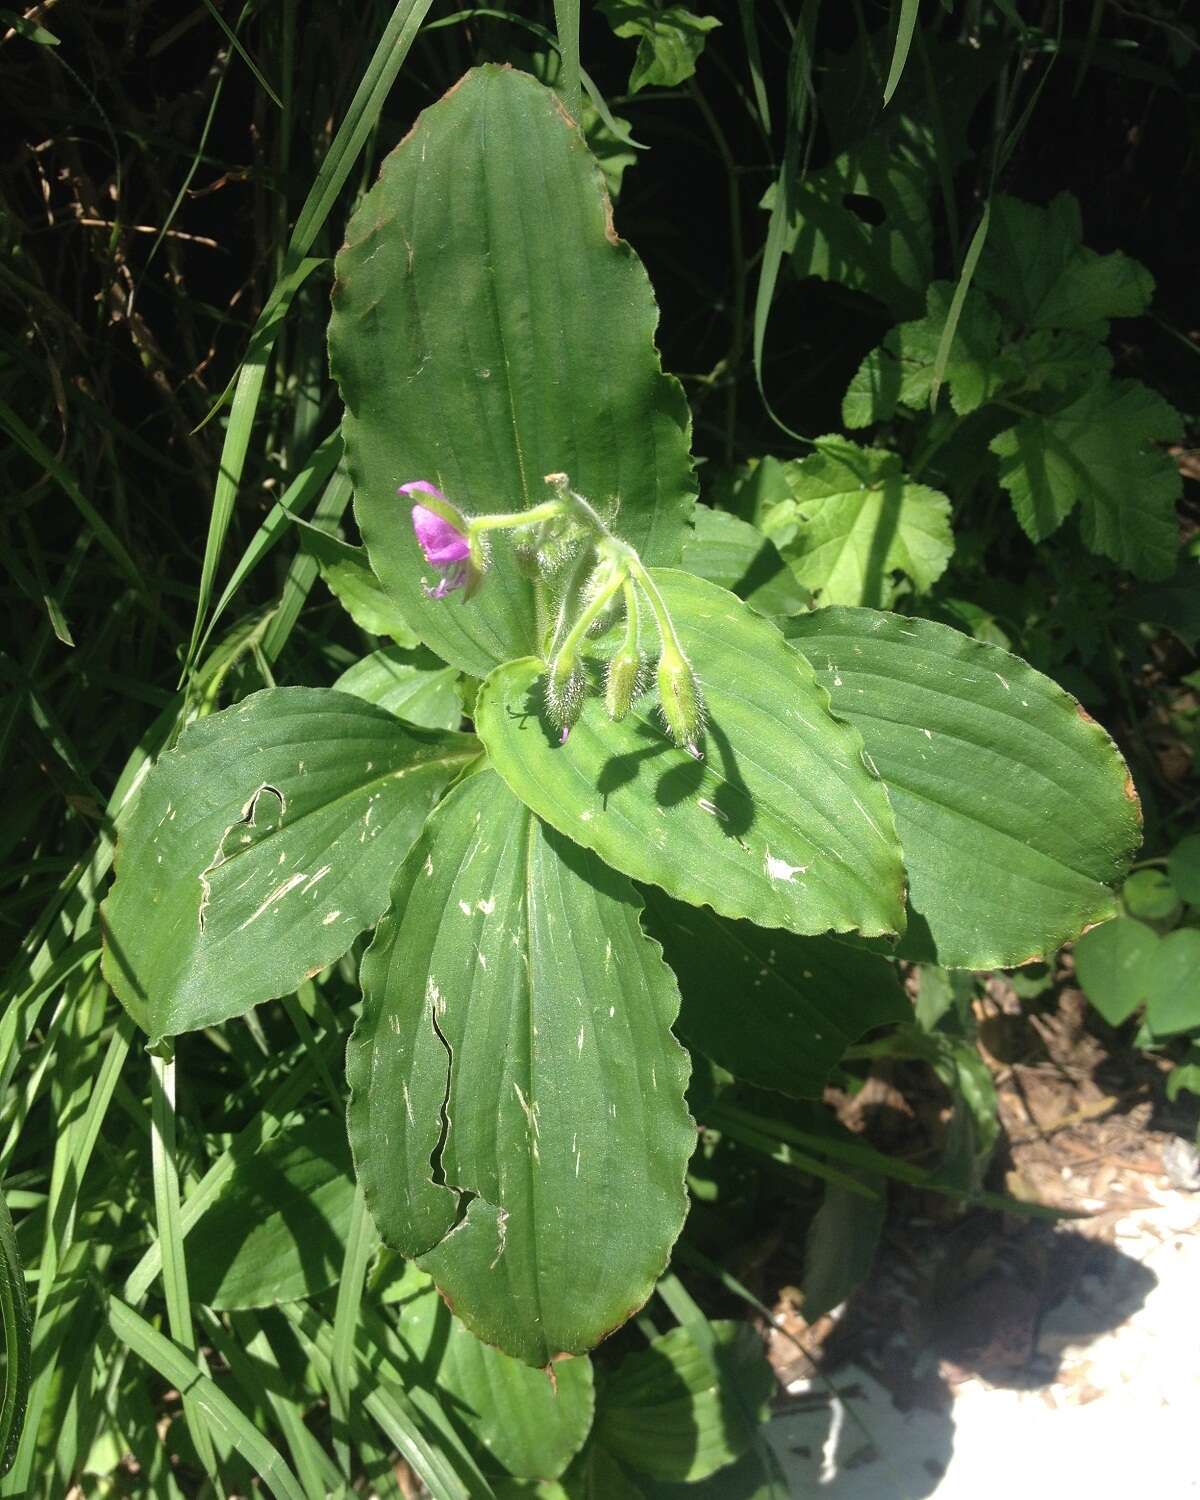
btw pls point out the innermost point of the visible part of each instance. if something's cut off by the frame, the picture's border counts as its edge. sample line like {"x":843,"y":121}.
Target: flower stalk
{"x":607,"y":568}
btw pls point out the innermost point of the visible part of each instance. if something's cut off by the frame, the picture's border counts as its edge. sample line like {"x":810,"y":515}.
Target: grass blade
{"x":359,"y":1245}
{"x":904,"y":36}
{"x":166,"y":1211}
{"x":14,"y":1308}
{"x":46,"y":460}
{"x":360,"y":119}
{"x":177,"y":1366}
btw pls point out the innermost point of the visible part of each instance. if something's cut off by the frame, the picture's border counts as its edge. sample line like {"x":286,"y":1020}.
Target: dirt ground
{"x":940,"y":1375}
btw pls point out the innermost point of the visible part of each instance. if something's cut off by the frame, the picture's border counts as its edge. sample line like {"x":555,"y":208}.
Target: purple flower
{"x":443,"y":544}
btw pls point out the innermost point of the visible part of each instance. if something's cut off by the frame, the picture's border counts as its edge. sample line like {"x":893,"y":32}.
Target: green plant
{"x":517,"y":1112}
{"x":210,"y":1291}
{"x":1149,"y":959}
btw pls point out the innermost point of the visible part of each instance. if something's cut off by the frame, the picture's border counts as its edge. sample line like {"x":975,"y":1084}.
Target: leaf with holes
{"x":864,"y":221}
{"x":517,"y":1114}
{"x":781,"y":822}
{"x":260,"y":847}
{"x":1014,"y":808}
{"x":490,"y":328}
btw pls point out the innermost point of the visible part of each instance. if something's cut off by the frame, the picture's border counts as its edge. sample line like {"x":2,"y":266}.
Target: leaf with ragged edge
{"x":1173,"y":983}
{"x":853,"y":518}
{"x":490,"y":328}
{"x":413,"y":685}
{"x":517,"y":1113}
{"x":1112,"y":963}
{"x":1035,"y":266}
{"x":676,"y":1413}
{"x":277,"y":1230}
{"x":520,"y":1419}
{"x":260,"y":847}
{"x":1015,"y":810}
{"x":736,"y":555}
{"x":901,"y":370}
{"x":864,"y":221}
{"x":1099,"y":452}
{"x":775,"y":1009}
{"x":349,"y":578}
{"x":780,"y":822}
{"x":670,"y":40}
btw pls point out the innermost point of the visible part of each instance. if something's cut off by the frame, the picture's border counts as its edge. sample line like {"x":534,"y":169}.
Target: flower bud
{"x":679,"y":699}
{"x":624,"y":680}
{"x":565,"y":685}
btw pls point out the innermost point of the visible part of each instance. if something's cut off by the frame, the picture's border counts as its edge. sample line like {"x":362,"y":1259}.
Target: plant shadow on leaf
{"x":262,"y":1191}
{"x":731,"y":801}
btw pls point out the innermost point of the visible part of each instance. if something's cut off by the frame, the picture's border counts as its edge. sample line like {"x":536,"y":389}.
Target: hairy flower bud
{"x":624,"y":681}
{"x":679,"y":700}
{"x":565,"y":686}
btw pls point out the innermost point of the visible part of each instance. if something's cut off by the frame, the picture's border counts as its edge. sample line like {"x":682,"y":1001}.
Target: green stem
{"x":511,"y":520}
{"x":591,"y":614}
{"x":737,"y":250}
{"x":632,"y":623}
{"x":662,"y":619}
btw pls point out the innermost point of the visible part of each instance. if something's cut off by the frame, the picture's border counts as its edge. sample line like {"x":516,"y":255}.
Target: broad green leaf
{"x":780,"y":822}
{"x":1150,"y":896}
{"x":532,"y":1427}
{"x":670,"y":40}
{"x":277,"y":1232}
{"x":413,"y":685}
{"x":517,"y":1113}
{"x":755,"y":1476}
{"x":901,"y":370}
{"x":1183,"y":866}
{"x":1100,"y":452}
{"x":1173,"y":983}
{"x":1035,"y":266}
{"x":775,"y":1009}
{"x":260,"y":847}
{"x":490,"y":328}
{"x":1185,"y":1075}
{"x":1014,"y":808}
{"x":864,"y":221}
{"x":1112,"y":963}
{"x":595,"y":1475}
{"x":740,"y":558}
{"x":348,"y":575}
{"x":676,"y":1413}
{"x":14,"y":1314}
{"x":853,"y":519}
{"x":840,"y":1247}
